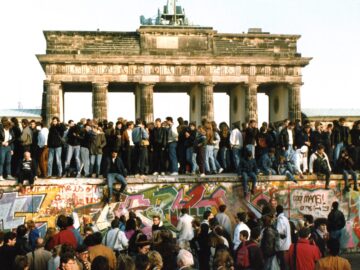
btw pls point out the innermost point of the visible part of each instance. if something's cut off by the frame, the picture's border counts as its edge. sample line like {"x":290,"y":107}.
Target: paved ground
{"x":354,"y":259}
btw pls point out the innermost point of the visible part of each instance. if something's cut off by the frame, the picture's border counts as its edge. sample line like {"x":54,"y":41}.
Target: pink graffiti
{"x":197,"y":199}
{"x":134,"y":202}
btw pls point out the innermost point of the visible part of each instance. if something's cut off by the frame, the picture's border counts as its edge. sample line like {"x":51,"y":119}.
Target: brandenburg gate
{"x":175,"y":58}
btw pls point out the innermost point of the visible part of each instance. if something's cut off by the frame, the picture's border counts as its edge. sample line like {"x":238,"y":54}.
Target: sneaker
{"x":202,"y":175}
{"x":78,"y":175}
{"x":162,"y":174}
{"x":10,"y":177}
{"x":2,"y":178}
{"x":174,"y":174}
{"x":155,"y":173}
{"x":137,"y":175}
{"x":220,"y":170}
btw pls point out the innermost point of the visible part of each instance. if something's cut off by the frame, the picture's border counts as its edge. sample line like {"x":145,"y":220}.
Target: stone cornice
{"x":178,"y":60}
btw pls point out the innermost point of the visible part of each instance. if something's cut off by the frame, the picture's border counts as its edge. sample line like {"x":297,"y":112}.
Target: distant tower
{"x":172,"y":15}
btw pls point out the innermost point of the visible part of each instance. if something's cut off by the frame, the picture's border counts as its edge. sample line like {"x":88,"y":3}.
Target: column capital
{"x":207,"y":84}
{"x":100,"y":84}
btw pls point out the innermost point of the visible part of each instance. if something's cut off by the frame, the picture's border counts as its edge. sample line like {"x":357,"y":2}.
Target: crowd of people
{"x":271,"y":242}
{"x":89,"y":148}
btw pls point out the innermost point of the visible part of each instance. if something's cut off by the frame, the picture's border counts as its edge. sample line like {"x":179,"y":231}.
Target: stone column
{"x":147,"y":102}
{"x":237,"y":104}
{"x":195,"y":103}
{"x":99,"y":100}
{"x":207,"y":102}
{"x":53,"y":100}
{"x":294,"y":102}
{"x":43,"y":105}
{"x":251,"y":111}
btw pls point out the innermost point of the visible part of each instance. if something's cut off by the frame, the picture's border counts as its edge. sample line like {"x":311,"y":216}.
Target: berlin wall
{"x":44,"y":202}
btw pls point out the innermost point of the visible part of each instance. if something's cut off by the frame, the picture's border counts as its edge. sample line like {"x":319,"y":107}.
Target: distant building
{"x":31,"y":114}
{"x":328,"y":115}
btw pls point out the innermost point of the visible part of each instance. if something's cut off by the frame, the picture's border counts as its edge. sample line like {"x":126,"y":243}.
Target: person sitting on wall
{"x":268,"y":162}
{"x":115,"y":171}
{"x":319,"y":163}
{"x":26,"y":170}
{"x":248,"y":168}
{"x":345,"y":165}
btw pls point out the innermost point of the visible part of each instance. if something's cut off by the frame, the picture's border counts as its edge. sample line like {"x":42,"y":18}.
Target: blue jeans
{"x":337,"y":150}
{"x":245,"y":178}
{"x":209,"y":159}
{"x":85,"y":160}
{"x":173,"y":163}
{"x":269,"y":171}
{"x":236,"y":153}
{"x":224,"y":157}
{"x":57,"y":153}
{"x":5,"y":160}
{"x":346,"y":177}
{"x":288,"y":152}
{"x":73,"y":150}
{"x":251,"y":148}
{"x":191,"y":159}
{"x":98,"y":163}
{"x":217,"y":164}
{"x":115,"y":177}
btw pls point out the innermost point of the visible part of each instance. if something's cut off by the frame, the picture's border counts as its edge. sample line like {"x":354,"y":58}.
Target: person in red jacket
{"x":303,"y":254}
{"x":64,"y":236}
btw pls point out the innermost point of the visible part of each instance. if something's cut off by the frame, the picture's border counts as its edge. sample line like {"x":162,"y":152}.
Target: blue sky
{"x":330,"y":31}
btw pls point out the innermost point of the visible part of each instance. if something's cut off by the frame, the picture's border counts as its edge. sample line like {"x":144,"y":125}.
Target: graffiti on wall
{"x":43,"y":203}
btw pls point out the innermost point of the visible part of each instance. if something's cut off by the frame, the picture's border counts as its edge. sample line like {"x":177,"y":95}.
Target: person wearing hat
{"x":82,"y":257}
{"x":319,"y":163}
{"x":269,"y":239}
{"x":142,"y":244}
{"x":303,"y":255}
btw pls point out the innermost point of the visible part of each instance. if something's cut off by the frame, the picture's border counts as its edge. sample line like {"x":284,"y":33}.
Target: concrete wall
{"x":49,"y":198}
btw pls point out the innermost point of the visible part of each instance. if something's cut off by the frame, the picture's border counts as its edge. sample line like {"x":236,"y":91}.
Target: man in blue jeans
{"x":115,"y":172}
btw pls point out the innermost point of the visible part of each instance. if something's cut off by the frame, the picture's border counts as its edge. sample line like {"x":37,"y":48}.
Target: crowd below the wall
{"x":114,"y":150}
{"x":211,"y":243}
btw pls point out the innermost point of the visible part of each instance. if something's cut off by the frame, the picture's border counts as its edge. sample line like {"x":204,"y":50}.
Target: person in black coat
{"x":248,"y":169}
{"x":22,"y":244}
{"x":115,"y":172}
{"x":158,"y":139}
{"x":336,"y":221}
{"x":345,"y":165}
{"x":27,"y":169}
{"x":8,"y":251}
{"x":55,"y":143}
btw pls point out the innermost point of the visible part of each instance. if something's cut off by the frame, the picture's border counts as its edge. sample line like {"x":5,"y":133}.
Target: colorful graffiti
{"x":44,"y":202}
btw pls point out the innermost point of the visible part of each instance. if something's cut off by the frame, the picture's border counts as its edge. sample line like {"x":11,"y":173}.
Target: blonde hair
{"x":155,"y":259}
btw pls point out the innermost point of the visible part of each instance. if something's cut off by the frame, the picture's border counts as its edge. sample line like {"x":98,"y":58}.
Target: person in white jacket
{"x":115,"y":238}
{"x":319,"y":163}
{"x":236,"y":143}
{"x":184,"y":226}
{"x":241,"y":218}
{"x":283,"y":228}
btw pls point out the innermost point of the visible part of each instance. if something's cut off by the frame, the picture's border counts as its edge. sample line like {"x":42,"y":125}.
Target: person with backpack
{"x":249,"y":255}
{"x":319,"y":163}
{"x":303,"y":255}
{"x":115,"y":238}
{"x":270,"y":239}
